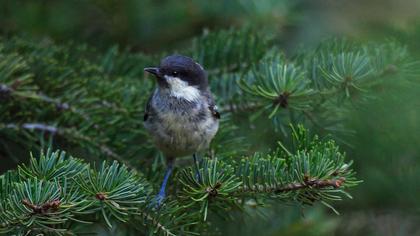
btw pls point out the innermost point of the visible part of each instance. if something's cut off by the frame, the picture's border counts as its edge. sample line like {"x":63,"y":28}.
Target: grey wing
{"x":212,"y":105}
{"x":148,"y":109}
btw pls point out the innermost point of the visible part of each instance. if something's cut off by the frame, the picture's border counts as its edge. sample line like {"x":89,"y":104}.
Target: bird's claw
{"x":157,"y":201}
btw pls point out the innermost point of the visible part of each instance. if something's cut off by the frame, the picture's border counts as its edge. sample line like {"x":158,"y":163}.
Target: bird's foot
{"x":157,"y":201}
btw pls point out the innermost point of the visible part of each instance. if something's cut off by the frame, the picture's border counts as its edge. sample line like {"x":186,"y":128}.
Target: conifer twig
{"x":312,"y":183}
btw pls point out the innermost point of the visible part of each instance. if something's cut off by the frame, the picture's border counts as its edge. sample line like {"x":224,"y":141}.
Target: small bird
{"x":180,"y":115}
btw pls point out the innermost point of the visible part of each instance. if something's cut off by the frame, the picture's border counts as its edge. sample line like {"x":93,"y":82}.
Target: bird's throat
{"x":180,"y":89}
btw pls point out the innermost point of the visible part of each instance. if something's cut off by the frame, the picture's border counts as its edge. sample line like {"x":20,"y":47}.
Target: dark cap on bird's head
{"x":181,"y":67}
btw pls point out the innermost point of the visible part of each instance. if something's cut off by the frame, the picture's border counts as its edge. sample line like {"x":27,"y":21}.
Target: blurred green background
{"x":386,"y":141}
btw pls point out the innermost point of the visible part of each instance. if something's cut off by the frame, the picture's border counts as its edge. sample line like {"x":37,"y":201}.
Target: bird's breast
{"x":182,"y":127}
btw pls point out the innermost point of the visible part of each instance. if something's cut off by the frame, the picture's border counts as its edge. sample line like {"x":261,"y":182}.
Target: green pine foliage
{"x":90,"y":103}
{"x":55,"y":193}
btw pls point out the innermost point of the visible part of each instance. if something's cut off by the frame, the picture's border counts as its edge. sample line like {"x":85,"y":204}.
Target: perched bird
{"x":180,"y":115}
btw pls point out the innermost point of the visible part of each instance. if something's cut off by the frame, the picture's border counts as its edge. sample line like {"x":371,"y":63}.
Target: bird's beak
{"x":153,"y":70}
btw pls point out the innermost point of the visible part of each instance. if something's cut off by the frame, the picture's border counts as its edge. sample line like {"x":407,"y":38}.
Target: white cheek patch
{"x":181,"y":89}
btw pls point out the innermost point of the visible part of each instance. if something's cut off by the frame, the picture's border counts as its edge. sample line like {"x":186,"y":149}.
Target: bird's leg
{"x":197,"y":170}
{"x":162,"y":192}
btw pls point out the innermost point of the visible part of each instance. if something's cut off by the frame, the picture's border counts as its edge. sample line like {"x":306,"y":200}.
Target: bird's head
{"x":177,"y":72}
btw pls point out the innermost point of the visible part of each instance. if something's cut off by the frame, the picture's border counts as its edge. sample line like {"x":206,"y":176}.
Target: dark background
{"x":386,"y":141}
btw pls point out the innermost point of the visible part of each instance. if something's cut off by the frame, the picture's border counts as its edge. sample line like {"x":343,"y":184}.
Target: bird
{"x":180,"y":115}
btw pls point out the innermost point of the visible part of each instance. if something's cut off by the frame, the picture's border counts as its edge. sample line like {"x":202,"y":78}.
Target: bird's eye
{"x":175,"y":73}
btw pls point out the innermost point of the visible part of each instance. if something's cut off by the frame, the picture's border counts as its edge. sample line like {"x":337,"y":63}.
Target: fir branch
{"x":54,"y":190}
{"x":53,"y":130}
{"x":44,"y":208}
{"x":312,"y":183}
{"x":315,"y":171}
{"x":290,"y":187}
{"x":92,"y":103}
{"x":229,"y":50}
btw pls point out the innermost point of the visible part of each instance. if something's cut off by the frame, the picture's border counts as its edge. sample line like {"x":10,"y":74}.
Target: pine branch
{"x":53,"y":130}
{"x":312,"y":183}
{"x":92,"y":103}
{"x":337,"y":73}
{"x":53,"y":192}
{"x":64,"y":189}
{"x":315,"y":172}
{"x":229,"y":50}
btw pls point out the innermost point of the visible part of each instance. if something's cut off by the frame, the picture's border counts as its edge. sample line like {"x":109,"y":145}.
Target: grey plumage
{"x":181,"y":115}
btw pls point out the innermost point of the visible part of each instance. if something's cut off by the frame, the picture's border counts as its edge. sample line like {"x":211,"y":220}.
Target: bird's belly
{"x":180,"y":135}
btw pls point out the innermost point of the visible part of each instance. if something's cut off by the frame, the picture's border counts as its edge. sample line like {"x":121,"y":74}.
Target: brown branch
{"x":312,"y":183}
{"x":32,"y":126}
{"x":6,"y":91}
{"x":11,"y":91}
{"x":282,"y":99}
{"x":44,"y":208}
{"x":101,"y":196}
{"x":65,"y":131}
{"x":307,"y":183}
